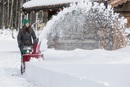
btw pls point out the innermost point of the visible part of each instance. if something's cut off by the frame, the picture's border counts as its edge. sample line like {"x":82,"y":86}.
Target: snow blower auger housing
{"x":30,"y":52}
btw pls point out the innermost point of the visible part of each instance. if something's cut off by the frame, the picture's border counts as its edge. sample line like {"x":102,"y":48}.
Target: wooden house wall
{"x":124,"y":9}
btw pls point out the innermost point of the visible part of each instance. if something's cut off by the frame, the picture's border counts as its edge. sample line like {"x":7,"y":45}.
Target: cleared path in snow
{"x":10,"y":71}
{"x":10,"y":65}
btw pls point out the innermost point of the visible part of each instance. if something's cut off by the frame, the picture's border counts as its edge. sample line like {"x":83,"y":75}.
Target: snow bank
{"x":9,"y":45}
{"x":81,"y":68}
{"x":78,"y":75}
{"x":8,"y":41}
{"x":51,"y":78}
{"x":8,"y":34}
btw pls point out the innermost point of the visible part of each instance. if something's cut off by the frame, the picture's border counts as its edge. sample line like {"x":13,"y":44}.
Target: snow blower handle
{"x":36,"y":46}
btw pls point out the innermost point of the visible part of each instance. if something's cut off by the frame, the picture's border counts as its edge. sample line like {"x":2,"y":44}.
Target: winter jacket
{"x":25,"y":39}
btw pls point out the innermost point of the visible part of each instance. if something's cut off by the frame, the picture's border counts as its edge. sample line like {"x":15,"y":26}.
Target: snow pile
{"x":8,"y":39}
{"x":78,"y":75}
{"x":53,"y":78}
{"x":8,"y":34}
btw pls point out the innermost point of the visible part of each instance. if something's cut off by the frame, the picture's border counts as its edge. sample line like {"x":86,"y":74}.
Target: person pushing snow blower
{"x":25,"y":36}
{"x":28,"y":48}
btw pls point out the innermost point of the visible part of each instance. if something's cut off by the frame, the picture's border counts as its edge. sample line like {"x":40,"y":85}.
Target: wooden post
{"x":45,"y":17}
{"x":3,"y":24}
{"x":21,"y":17}
{"x":36,"y":20}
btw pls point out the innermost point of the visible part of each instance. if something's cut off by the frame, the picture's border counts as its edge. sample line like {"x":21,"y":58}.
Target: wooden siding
{"x":115,"y":3}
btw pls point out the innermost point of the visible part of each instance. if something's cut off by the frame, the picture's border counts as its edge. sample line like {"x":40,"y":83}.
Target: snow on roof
{"x":35,"y":3}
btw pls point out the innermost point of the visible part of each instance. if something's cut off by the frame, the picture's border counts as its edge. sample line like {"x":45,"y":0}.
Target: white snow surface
{"x":77,"y":68}
{"x":34,"y":3}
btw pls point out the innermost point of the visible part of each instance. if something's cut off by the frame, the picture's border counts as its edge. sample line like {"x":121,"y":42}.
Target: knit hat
{"x":25,"y":21}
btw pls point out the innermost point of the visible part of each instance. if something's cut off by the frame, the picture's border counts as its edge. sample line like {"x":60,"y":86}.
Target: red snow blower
{"x":30,"y":52}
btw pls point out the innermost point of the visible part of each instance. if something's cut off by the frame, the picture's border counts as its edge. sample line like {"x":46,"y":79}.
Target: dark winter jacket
{"x":25,"y":38}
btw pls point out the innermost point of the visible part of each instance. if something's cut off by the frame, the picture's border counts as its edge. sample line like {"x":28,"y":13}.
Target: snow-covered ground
{"x":78,"y":68}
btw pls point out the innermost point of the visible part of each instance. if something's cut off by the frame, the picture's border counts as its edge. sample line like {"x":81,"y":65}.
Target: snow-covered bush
{"x":86,"y":25}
